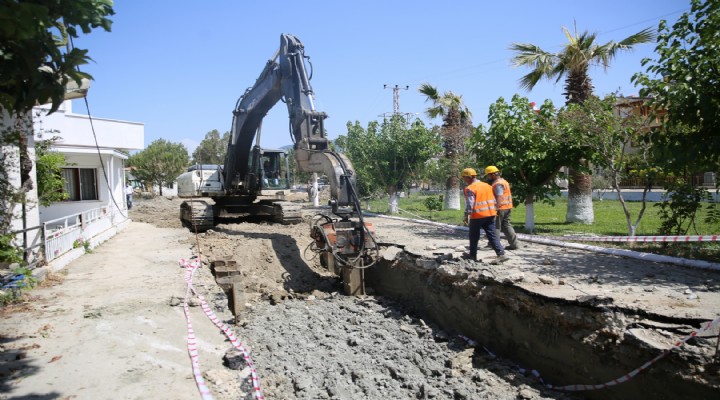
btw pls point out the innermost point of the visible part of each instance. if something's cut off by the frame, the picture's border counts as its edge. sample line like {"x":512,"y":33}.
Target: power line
{"x":644,"y":21}
{"x":475,"y":67}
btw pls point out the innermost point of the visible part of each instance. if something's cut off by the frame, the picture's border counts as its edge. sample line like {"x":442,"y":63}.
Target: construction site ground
{"x":111,"y":325}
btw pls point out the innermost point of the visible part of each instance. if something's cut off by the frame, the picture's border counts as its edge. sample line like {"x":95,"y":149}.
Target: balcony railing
{"x":63,"y":234}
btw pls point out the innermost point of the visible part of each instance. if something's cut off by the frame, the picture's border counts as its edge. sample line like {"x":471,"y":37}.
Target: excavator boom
{"x":345,"y":246}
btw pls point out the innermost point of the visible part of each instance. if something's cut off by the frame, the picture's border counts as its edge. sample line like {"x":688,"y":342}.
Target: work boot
{"x":500,"y":259}
{"x":512,"y":247}
{"x":466,"y":256}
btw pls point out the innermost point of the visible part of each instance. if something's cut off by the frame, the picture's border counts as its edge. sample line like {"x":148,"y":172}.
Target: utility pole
{"x":396,"y":97}
{"x":396,"y":102}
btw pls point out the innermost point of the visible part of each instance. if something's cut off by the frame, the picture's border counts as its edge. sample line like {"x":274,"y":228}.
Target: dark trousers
{"x":487,"y":224}
{"x":129,"y":200}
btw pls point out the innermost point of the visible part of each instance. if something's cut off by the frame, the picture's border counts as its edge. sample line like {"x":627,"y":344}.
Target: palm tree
{"x":573,"y":62}
{"x":456,"y":124}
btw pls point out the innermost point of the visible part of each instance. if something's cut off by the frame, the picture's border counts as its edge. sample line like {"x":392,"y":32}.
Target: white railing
{"x":64,"y":234}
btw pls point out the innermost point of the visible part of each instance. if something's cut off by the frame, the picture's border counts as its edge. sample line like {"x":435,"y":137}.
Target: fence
{"x":29,"y":256}
{"x":63,"y":234}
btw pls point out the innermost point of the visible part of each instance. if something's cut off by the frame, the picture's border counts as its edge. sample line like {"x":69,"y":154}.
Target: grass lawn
{"x":550,"y":221}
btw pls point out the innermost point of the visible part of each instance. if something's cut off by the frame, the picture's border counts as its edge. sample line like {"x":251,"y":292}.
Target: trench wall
{"x":567,"y":342}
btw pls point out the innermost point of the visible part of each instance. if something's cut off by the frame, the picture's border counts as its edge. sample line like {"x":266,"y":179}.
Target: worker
{"x":480,"y":212}
{"x":128,"y":195}
{"x":504,"y":203}
{"x":271,"y":175}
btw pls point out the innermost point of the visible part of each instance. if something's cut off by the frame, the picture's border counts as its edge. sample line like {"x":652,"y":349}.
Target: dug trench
{"x":588,"y":340}
{"x":566,"y":342}
{"x":435,"y":326}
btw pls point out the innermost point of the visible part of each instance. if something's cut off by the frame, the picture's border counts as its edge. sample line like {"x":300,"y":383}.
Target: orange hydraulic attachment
{"x":344,"y":238}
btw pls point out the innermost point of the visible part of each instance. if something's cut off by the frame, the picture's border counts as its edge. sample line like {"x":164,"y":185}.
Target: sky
{"x":179,"y":66}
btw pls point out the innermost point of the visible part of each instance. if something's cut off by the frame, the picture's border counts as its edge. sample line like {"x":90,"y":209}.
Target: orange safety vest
{"x":484,"y":205}
{"x":504,"y":202}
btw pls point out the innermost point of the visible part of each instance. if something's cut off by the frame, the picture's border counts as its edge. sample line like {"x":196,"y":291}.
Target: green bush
{"x":8,"y":252}
{"x":80,"y":242}
{"x":433,"y":203}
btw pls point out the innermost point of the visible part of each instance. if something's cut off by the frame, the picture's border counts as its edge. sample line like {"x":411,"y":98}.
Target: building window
{"x":80,"y":183}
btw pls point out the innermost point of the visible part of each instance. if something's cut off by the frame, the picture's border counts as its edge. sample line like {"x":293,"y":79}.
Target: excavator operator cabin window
{"x":273,"y":172}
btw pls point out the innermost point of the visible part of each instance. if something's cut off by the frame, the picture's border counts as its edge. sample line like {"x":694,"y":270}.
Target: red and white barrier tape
{"x":643,"y":239}
{"x":190,"y":268}
{"x":582,"y":387}
{"x":708,"y":325}
{"x":640,"y":239}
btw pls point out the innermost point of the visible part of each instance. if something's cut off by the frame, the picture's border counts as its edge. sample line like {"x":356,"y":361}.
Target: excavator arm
{"x":345,"y":246}
{"x":285,"y":78}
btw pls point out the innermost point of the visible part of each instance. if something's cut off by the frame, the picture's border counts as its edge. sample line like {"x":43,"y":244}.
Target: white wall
{"x":77,"y":130}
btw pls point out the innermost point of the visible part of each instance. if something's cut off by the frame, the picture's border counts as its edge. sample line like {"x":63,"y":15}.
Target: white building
{"x":95,"y":152}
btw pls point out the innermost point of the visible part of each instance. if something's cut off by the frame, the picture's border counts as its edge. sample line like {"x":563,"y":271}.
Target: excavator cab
{"x":270,"y":171}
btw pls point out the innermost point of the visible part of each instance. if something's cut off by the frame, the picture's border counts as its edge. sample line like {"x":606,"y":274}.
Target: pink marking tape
{"x":190,"y":268}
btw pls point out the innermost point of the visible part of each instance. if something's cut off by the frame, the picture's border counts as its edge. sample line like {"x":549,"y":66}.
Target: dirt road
{"x":112,"y":326}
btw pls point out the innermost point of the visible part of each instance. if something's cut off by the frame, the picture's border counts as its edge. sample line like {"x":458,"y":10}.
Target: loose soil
{"x":112,"y":326}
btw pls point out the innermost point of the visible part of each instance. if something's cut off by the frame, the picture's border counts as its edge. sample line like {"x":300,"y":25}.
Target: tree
{"x":573,"y":62}
{"x":49,"y":173}
{"x":35,"y":66}
{"x":212,"y":149}
{"x":360,"y":147}
{"x":388,"y":154}
{"x":684,"y":83}
{"x":456,"y":127}
{"x":160,"y":163}
{"x":36,"y":61}
{"x":436,"y":171}
{"x":14,"y":160}
{"x":620,"y":141}
{"x":527,"y":146}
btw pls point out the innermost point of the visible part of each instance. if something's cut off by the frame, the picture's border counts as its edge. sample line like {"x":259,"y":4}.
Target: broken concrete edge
{"x":448,"y":271}
{"x":568,"y":340}
{"x":685,"y":262}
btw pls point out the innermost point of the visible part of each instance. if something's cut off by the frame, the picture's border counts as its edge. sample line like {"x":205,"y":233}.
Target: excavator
{"x":253,"y":180}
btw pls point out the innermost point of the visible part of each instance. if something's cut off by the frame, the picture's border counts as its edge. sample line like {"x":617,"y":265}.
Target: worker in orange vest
{"x":504,"y":203}
{"x":480,"y":212}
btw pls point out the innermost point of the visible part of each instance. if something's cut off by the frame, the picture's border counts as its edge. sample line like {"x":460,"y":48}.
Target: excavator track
{"x":197,"y":215}
{"x":287,"y":213}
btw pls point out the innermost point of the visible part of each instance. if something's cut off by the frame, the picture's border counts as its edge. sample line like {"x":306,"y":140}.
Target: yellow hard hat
{"x":468,"y":172}
{"x":491,"y":170}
